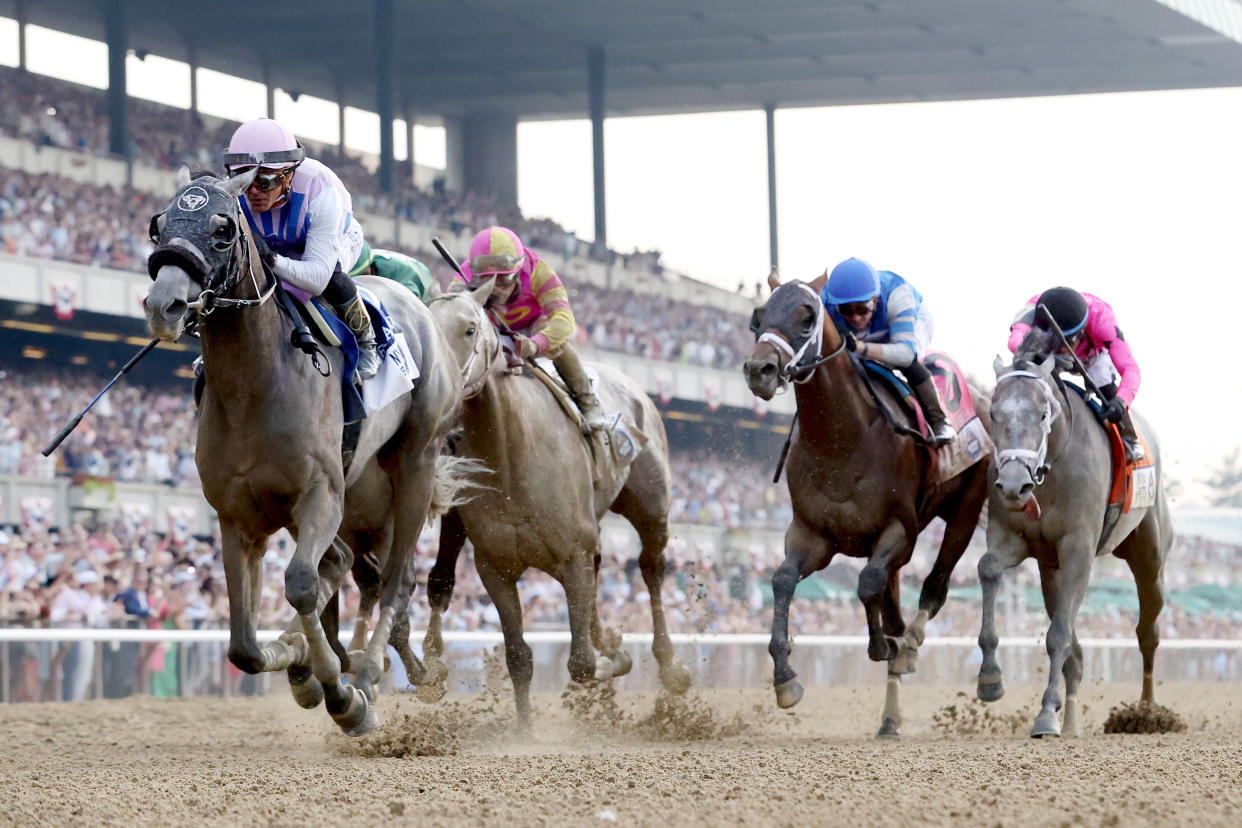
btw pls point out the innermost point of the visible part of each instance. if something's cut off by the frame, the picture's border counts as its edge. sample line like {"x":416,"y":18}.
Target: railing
{"x":48,"y":664}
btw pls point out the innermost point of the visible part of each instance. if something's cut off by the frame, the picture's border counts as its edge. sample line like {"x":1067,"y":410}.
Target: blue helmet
{"x":854,"y":280}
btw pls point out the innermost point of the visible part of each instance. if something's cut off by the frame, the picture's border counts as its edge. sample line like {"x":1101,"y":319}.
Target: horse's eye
{"x":470,"y":331}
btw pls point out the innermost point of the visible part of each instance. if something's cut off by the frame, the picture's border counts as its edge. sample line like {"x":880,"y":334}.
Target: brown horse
{"x":858,"y":488}
{"x":545,"y":501}
{"x":269,"y":449}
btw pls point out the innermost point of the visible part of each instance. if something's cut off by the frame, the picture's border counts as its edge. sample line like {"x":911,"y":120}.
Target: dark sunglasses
{"x":855,"y":309}
{"x":266,"y":182}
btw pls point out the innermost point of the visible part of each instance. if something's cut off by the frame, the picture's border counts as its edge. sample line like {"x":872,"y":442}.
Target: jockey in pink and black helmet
{"x":1090,"y":328}
{"x":302,"y":215}
{"x":530,"y":299}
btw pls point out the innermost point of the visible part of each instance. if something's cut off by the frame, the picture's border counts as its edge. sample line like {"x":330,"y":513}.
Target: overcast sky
{"x":1133,"y":197}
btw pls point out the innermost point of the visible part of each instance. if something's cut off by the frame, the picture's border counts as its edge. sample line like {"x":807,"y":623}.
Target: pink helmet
{"x":495,"y":251}
{"x":265,"y":143}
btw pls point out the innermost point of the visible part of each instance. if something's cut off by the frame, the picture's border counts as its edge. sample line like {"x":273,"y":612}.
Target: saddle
{"x":901,"y":407}
{"x":618,"y":437}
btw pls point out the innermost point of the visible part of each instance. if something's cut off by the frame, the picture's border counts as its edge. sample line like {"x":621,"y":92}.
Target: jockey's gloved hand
{"x":526,"y":346}
{"x":1114,"y":410}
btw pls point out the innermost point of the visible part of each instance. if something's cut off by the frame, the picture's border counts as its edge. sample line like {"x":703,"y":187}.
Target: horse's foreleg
{"x":440,"y":583}
{"x":578,"y":579}
{"x":243,"y":575}
{"x":1063,"y":589}
{"x":805,"y":552}
{"x":1005,"y":551}
{"x":367,"y":576}
{"x":1072,"y":673}
{"x":504,"y":595}
{"x":892,"y":549}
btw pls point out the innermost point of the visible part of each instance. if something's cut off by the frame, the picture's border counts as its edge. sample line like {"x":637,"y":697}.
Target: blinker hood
{"x":184,"y":231}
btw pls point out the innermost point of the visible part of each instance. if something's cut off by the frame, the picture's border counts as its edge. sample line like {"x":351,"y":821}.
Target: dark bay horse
{"x":1052,"y":481}
{"x":545,"y":499}
{"x":269,"y":449}
{"x":857,"y":487}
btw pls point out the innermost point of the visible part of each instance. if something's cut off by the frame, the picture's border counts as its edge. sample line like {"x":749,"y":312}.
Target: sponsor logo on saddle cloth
{"x":972,"y":442}
{"x":397,"y":371}
{"x":620,"y":429}
{"x":1134,"y":486}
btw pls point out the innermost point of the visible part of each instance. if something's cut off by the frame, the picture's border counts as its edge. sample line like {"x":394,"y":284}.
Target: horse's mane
{"x":1036,"y":346}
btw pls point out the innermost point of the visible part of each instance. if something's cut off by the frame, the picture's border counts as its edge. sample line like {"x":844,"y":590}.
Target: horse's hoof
{"x":369,"y":723}
{"x":676,"y":678}
{"x":888,"y":730}
{"x":603,"y":668}
{"x":354,"y":716}
{"x":1046,"y":724}
{"x":906,"y":662}
{"x":308,"y":694}
{"x":356,"y":657}
{"x":882,"y":648}
{"x":991,"y":688}
{"x":430,"y":693}
{"x":788,"y":694}
{"x":622,"y":663}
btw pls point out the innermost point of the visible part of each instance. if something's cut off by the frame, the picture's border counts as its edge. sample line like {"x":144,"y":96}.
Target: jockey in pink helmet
{"x":302,"y":218}
{"x":529,"y":298}
{"x":1091,"y":330}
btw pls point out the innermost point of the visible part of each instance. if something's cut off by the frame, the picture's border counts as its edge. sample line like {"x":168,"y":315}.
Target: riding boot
{"x":929,"y":399}
{"x":1130,"y":439}
{"x":354,"y":314}
{"x":569,"y":366}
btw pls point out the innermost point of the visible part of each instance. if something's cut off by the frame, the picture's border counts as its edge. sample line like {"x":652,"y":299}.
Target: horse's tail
{"x":456,"y":482}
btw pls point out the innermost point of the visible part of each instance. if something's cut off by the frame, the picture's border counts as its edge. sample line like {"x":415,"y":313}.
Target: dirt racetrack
{"x":726,"y":757}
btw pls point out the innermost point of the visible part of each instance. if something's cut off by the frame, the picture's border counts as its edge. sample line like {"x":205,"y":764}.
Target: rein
{"x":208,"y":300}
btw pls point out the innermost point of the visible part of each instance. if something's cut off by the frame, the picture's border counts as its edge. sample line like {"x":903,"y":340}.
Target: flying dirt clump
{"x":1143,"y":717}
{"x":688,"y":719}
{"x":970,"y":716}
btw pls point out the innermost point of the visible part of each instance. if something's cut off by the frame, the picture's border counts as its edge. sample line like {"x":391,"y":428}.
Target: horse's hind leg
{"x":578,"y":579}
{"x":504,"y":595}
{"x":1142,"y":551}
{"x":440,"y":585}
{"x":652,"y":527}
{"x":891,"y":551}
{"x":1005,"y":551}
{"x":805,"y":552}
{"x":894,"y":627}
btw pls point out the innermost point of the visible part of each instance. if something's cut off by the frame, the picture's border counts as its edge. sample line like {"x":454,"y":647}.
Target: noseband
{"x":792,"y":369}
{"x":1035,"y":462}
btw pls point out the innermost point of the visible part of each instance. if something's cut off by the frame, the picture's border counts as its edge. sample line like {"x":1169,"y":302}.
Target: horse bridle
{"x":793,"y":369}
{"x":471,"y":387}
{"x":208,"y":300}
{"x":1035,"y":461}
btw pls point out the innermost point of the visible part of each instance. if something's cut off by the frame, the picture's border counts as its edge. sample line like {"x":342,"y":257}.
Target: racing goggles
{"x":503,"y":265}
{"x":856,"y":308}
{"x":265,"y":180}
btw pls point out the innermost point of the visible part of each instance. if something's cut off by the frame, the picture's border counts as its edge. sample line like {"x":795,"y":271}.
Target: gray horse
{"x":1052,"y":477}
{"x":546,"y":501}
{"x":269,"y":450}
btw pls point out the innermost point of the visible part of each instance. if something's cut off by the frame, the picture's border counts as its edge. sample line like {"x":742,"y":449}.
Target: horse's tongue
{"x":1031,"y":509}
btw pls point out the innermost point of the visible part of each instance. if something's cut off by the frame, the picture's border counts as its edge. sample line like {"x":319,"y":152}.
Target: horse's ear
{"x":998,"y":365}
{"x":756,"y":322}
{"x":1048,"y":365}
{"x":183,"y":176}
{"x":238,"y":184}
{"x":774,"y":278}
{"x":483,"y":291}
{"x":432,"y":291}
{"x":817,"y":284}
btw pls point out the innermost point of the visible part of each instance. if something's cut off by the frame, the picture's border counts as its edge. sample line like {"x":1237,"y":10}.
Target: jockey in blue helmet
{"x":885,"y":319}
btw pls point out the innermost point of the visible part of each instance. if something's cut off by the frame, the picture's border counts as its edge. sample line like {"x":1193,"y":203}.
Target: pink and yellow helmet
{"x":496,"y":251}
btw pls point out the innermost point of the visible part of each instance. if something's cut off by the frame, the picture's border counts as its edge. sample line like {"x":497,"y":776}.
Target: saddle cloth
{"x":1134,"y":484}
{"x":397,"y":372}
{"x":972,"y":442}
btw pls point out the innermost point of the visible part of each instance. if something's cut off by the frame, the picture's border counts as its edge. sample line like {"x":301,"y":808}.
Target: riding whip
{"x":1086,"y":378}
{"x":448,"y":257}
{"x":64,"y":432}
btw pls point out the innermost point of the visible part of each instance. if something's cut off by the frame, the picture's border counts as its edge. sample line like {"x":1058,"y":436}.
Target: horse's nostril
{"x":1026,"y":489}
{"x":175,"y":308}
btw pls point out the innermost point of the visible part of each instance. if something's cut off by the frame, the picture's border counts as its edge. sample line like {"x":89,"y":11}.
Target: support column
{"x":595,"y":92}
{"x":116,"y":35}
{"x":192,"y":60}
{"x":269,"y":84}
{"x":340,"y":114}
{"x":770,"y":111}
{"x":489,"y":155}
{"x":21,"y":15}
{"x":383,"y":89}
{"x":409,"y":143}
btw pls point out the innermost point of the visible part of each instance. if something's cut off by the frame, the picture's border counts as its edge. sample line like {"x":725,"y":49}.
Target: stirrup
{"x":942,"y":434}
{"x":1134,"y":451}
{"x":368,"y":361}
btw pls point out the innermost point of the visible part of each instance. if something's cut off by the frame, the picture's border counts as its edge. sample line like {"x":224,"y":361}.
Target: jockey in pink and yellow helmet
{"x":530,"y":299}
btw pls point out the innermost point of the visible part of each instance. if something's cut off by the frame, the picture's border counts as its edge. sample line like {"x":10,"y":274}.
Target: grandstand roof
{"x":529,"y":58}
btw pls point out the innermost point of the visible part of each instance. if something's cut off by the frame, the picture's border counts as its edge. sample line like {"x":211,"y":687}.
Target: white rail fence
{"x":69,"y":664}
